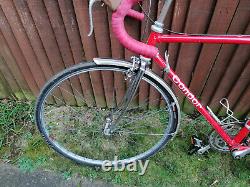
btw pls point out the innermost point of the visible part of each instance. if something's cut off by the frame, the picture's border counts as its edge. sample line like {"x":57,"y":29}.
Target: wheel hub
{"x":108,"y":127}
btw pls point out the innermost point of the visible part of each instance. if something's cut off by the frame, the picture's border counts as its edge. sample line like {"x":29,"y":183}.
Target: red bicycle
{"x":122,"y":119}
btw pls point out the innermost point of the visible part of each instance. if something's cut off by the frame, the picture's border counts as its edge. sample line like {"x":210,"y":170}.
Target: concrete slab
{"x":11,"y":176}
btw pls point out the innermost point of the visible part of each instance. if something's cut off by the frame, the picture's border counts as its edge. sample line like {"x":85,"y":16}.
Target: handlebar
{"x":132,"y":13}
{"x":135,"y":14}
{"x":123,"y":10}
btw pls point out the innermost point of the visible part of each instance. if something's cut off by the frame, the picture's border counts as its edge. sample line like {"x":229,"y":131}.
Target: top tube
{"x":151,"y":51}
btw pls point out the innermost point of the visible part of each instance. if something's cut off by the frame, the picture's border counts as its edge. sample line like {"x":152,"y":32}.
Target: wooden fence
{"x":39,"y":38}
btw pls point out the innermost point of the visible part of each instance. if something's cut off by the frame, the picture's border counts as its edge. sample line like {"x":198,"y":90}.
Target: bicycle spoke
{"x":140,"y":133}
{"x":81,"y":97}
{"x":87,"y":131}
{"x":136,"y":119}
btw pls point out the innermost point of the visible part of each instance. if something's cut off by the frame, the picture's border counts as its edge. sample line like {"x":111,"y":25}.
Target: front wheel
{"x":74,"y":108}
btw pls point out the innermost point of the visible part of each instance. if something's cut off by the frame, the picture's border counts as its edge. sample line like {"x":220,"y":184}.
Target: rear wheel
{"x":77,"y":125}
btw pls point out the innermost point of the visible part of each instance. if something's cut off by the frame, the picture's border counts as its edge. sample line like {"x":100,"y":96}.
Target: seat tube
{"x":243,"y":133}
{"x":159,"y":24}
{"x":164,"y":11}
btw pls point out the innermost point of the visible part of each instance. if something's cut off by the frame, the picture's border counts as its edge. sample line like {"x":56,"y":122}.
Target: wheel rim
{"x":67,"y":132}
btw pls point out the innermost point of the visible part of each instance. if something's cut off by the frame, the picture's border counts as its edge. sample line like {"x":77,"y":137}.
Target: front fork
{"x":134,"y":75}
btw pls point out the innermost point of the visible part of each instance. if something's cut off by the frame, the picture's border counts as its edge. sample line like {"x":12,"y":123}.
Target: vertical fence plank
{"x":239,"y":87}
{"x":198,"y":18}
{"x":46,"y":33}
{"x":117,"y":51}
{"x":242,"y":108}
{"x":178,"y":21}
{"x":220,"y":22}
{"x":17,"y":53}
{"x":61,"y":39}
{"x":29,"y":26}
{"x":180,"y":10}
{"x":31,"y":31}
{"x":72,"y":29}
{"x":237,"y":26}
{"x":14,"y":87}
{"x":73,"y":86}
{"x":231,"y":75}
{"x":81,"y":11}
{"x":101,"y":28}
{"x":22,"y":40}
{"x":43,"y":26}
{"x":4,"y":87}
{"x":25,"y":92}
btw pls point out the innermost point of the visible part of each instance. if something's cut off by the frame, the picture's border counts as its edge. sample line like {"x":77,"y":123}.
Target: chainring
{"x":217,"y":143}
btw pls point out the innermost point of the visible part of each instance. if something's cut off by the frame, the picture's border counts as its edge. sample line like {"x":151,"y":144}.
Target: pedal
{"x":198,"y":146}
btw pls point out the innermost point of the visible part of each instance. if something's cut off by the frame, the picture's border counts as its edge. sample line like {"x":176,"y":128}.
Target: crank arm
{"x":203,"y":150}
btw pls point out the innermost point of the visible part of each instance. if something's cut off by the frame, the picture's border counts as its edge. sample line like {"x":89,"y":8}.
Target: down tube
{"x":176,"y":80}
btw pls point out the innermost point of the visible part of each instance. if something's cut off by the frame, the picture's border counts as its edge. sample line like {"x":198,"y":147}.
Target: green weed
{"x":16,"y":120}
{"x":28,"y":164}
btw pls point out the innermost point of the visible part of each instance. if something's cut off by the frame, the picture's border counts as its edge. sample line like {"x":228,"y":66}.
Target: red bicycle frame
{"x":155,"y":38}
{"x":150,"y":50}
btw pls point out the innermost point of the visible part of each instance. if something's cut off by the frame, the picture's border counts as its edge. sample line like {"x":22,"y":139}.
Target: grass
{"x":22,"y":145}
{"x":16,"y":124}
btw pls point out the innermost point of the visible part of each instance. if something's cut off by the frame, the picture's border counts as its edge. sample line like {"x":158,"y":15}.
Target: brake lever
{"x":91,"y":25}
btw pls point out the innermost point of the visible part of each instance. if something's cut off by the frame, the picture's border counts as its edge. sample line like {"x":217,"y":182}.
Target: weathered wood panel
{"x":238,"y":25}
{"x":74,"y":38}
{"x":39,"y":38}
{"x":219,"y":24}
{"x":89,"y":47}
{"x":24,"y":91}
{"x":17,"y":53}
{"x":23,"y":41}
{"x":197,"y":21}
{"x":4,"y":87}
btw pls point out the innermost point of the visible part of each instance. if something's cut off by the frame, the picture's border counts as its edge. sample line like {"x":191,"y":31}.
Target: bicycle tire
{"x":170,"y":106}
